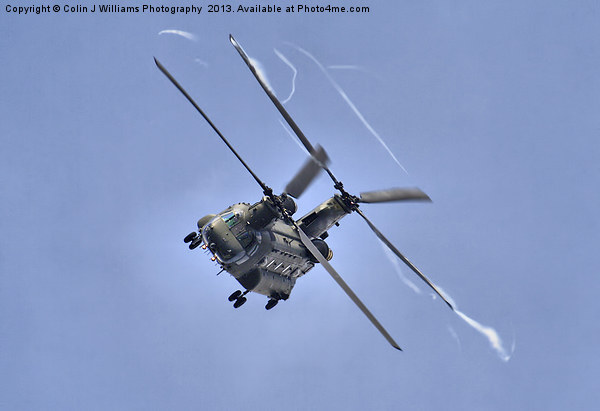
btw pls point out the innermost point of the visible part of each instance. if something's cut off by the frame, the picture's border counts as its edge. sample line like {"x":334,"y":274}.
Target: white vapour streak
{"x":261,"y":73}
{"x":181,"y":33}
{"x":455,"y":336}
{"x":290,"y":65}
{"x":513,"y":345}
{"x":446,"y":296}
{"x":349,"y":102}
{"x":488,"y":332}
{"x":201,"y":62}
{"x":394,"y":260}
{"x":293,"y":137}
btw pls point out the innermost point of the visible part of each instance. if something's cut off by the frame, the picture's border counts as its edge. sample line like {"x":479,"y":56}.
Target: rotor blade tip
{"x":232,"y":40}
{"x":159,"y":65}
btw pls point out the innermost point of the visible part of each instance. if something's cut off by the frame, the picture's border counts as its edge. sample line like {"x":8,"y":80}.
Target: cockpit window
{"x":231,"y":219}
{"x":245,"y":238}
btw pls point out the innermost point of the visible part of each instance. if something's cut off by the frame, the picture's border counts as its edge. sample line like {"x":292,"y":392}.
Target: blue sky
{"x":104,"y":168}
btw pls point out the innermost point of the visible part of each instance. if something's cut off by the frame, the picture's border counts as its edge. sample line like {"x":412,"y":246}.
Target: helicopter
{"x":263,"y":246}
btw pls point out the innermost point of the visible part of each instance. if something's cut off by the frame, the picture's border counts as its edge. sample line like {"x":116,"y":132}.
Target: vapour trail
{"x":488,"y":332}
{"x":262,"y":73}
{"x":181,"y":33}
{"x":514,"y":344}
{"x":349,"y":102}
{"x":293,"y":137}
{"x":394,"y":260}
{"x":455,"y":336}
{"x":290,"y":65}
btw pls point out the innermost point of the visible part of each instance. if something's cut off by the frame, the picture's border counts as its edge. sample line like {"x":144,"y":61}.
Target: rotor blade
{"x":191,"y":100}
{"x":401,"y":256}
{"x":314,"y":251}
{"x":282,"y":110}
{"x":306,"y":174}
{"x":393,"y":194}
{"x":274,"y":99}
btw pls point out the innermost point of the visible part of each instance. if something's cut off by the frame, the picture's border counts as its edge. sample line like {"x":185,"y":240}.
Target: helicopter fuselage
{"x":263,"y":251}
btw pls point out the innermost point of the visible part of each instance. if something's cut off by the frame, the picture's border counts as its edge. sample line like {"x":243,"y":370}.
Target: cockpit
{"x":230,"y":238}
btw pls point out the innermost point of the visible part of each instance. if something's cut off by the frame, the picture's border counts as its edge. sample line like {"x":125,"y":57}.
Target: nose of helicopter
{"x":217,"y":235}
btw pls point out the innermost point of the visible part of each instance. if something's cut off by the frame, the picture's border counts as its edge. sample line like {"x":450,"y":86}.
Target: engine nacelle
{"x":289,"y":204}
{"x":323,"y":217}
{"x":323,"y":249}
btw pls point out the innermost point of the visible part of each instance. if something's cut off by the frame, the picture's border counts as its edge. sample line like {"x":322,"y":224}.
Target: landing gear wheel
{"x":239,"y":302}
{"x":195,"y":243}
{"x":271,"y":303}
{"x":189,"y":237}
{"x":235,"y":295}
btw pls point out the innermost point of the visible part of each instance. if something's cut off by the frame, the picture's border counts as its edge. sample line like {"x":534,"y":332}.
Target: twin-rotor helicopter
{"x":264,"y":247}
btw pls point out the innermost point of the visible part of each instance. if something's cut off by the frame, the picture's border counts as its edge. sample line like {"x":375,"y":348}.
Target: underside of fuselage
{"x":274,"y":266}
